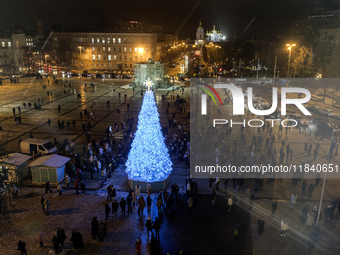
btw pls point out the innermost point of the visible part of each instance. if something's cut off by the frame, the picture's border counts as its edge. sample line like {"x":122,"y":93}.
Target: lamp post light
{"x":290,"y":46}
{"x":79,"y":47}
{"x":46,"y":56}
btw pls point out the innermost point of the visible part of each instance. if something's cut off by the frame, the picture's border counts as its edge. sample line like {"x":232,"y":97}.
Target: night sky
{"x":230,"y":16}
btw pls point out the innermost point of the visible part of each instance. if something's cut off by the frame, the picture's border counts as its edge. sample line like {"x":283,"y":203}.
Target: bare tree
{"x":302,"y":62}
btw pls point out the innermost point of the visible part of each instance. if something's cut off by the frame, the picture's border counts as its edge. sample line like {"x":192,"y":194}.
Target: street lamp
{"x":79,"y":47}
{"x":290,"y":46}
{"x":140,"y":51}
{"x":46,"y":56}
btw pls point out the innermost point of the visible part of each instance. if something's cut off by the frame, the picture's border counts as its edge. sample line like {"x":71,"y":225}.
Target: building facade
{"x":13,"y":51}
{"x":328,"y":50}
{"x":105,"y":52}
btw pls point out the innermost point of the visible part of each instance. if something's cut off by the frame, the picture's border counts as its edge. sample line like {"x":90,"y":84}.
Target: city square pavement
{"x":207,"y":231}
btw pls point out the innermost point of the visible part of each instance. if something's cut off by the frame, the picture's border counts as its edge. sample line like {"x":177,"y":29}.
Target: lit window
{"x":130,"y":49}
{"x":17,"y":44}
{"x":113,"y":40}
{"x":136,"y":49}
{"x":93,"y":57}
{"x":92,"y":40}
{"x":109,"y":57}
{"x":103,"y":40}
{"x":10,"y":45}
{"x":108,"y":48}
{"x":108,"y":40}
{"x":119,"y":40}
{"x":103,"y":48}
{"x":124,"y":49}
{"x":114,"y":57}
{"x":92,"y":48}
{"x":98,"y":57}
{"x":98,"y":40}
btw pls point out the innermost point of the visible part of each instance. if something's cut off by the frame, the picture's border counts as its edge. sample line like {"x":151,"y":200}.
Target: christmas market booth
{"x":13,"y":167}
{"x":51,"y":167}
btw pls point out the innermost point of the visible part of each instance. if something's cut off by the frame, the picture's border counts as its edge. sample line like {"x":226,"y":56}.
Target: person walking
{"x":293,"y":200}
{"x":42,"y":201}
{"x":138,"y":246}
{"x":190,"y":203}
{"x":230,"y":203}
{"x":236,"y":231}
{"x":82,"y":186}
{"x":274,"y":207}
{"x":47,"y":187}
{"x":137,"y":190}
{"x":41,"y":239}
{"x":115,"y":206}
{"x":59,"y":108}
{"x":59,"y":188}
{"x":284,"y":228}
{"x":67,"y":181}
{"x":94,"y":228}
{"x":22,"y":247}
{"x":129,"y":204}
{"x":122,"y":204}
{"x":141,"y":203}
{"x":156,"y":225}
{"x":148,"y":225}
{"x":46,"y":207}
{"x":260,"y":226}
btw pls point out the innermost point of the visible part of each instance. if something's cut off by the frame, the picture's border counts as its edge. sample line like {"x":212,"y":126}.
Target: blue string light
{"x":149,"y":158}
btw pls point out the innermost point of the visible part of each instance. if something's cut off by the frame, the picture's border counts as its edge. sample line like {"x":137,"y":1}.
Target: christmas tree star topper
{"x":148,"y":83}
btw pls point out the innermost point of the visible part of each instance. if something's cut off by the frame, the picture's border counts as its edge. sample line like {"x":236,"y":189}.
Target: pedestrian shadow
{"x":65,"y":211}
{"x":15,"y":211}
{"x":28,"y":195}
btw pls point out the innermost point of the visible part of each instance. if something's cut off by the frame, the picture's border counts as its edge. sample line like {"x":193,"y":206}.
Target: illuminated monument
{"x":215,"y":36}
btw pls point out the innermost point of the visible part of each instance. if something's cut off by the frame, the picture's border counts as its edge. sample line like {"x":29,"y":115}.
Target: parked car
{"x":326,"y":112}
{"x":303,"y":122}
{"x":313,"y":108}
{"x":325,"y":127}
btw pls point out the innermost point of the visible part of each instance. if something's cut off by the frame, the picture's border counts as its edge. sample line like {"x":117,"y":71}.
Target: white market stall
{"x":51,"y":167}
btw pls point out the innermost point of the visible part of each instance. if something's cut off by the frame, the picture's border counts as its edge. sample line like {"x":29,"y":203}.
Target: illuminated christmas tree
{"x":149,"y":159}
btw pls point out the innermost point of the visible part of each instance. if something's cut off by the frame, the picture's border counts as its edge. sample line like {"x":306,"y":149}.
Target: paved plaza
{"x":208,"y":230}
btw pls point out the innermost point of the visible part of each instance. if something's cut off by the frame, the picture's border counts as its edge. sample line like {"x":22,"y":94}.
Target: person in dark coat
{"x":82,"y":186}
{"x":148,"y":225}
{"x":156,"y":225}
{"x":22,"y":247}
{"x":115,"y":207}
{"x":122,"y":204}
{"x":47,"y":187}
{"x":95,"y":228}
{"x":260,"y":225}
{"x":42,"y":202}
{"x":102,"y":230}
{"x":129,"y":205}
{"x":61,"y":236}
